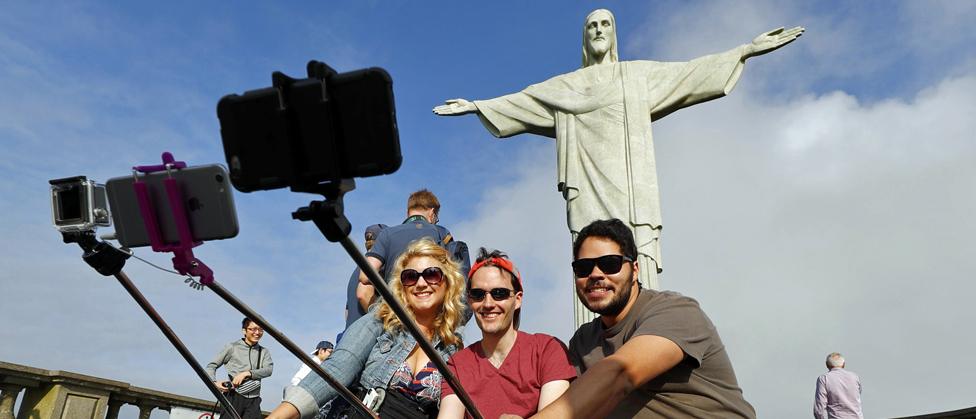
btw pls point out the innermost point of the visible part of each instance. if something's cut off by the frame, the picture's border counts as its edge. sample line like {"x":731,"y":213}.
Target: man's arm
{"x":551,"y":391}
{"x":820,"y":400}
{"x":365,"y":293}
{"x":267,"y":366}
{"x":301,"y":373}
{"x":604,"y":385}
{"x":211,"y":368}
{"x":451,"y":408}
{"x":376,"y":263}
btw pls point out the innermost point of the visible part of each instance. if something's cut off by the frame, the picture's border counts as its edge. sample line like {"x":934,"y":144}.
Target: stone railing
{"x":61,"y":394}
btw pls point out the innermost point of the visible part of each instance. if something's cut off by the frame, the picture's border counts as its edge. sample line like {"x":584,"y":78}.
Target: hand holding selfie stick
{"x":108,"y":261}
{"x":185,"y":263}
{"x":329,"y":217}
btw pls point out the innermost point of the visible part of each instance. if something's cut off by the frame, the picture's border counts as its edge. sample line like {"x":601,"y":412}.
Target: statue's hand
{"x":772,"y":40}
{"x":455,"y":107}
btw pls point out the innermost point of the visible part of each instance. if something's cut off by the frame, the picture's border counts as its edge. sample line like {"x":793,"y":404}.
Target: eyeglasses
{"x":433,"y":275}
{"x":255,"y":329}
{"x":609,"y":264}
{"x":498,"y":294}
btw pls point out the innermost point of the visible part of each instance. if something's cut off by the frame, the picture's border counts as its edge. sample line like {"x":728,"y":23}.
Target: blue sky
{"x":825,"y":205}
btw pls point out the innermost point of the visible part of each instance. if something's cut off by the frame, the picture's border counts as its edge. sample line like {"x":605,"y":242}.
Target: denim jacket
{"x":365,"y":351}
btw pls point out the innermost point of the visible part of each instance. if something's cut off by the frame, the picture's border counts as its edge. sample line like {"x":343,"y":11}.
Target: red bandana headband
{"x":501,"y":263}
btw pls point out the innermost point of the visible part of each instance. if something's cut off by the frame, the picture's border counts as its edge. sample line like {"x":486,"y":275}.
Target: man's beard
{"x":617,"y":303}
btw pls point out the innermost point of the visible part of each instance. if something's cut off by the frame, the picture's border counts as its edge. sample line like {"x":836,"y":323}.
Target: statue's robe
{"x":601,"y":119}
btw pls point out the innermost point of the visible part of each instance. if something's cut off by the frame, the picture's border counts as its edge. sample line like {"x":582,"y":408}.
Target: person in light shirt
{"x":321,"y":352}
{"x":838,"y":392}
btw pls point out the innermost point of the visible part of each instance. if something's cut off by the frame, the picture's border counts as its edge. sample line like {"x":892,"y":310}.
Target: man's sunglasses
{"x":609,"y":264}
{"x":498,"y":294}
{"x":433,"y":275}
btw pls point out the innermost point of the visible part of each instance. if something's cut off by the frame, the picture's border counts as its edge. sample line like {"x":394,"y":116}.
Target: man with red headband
{"x":507,"y":371}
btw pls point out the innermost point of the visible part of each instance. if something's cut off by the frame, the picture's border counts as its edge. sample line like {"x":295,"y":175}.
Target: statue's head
{"x":599,"y":37}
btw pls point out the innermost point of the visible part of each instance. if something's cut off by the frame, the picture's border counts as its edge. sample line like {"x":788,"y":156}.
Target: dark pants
{"x":248,"y":408}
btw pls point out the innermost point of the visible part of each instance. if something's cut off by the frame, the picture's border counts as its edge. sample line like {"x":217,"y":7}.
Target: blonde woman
{"x":430,"y":286}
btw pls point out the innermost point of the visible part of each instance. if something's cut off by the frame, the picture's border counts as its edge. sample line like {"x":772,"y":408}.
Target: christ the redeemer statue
{"x":600,"y":116}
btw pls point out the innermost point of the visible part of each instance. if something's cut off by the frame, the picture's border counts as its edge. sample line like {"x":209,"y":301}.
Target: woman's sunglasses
{"x":609,"y":264}
{"x":498,"y":294}
{"x":433,"y":275}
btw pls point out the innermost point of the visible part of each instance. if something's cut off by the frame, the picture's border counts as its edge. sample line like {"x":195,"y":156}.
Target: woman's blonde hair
{"x":449,"y":318}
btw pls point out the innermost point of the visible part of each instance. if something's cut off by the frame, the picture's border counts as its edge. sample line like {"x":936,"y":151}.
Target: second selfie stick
{"x":185,"y":263}
{"x":109,"y":261}
{"x":331,"y":220}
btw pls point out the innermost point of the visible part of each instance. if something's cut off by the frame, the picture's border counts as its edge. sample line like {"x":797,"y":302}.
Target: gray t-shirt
{"x":703,"y":385}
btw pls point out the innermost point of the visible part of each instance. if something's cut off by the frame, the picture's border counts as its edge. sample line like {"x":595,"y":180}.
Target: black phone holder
{"x":328,"y":215}
{"x":102,"y":257}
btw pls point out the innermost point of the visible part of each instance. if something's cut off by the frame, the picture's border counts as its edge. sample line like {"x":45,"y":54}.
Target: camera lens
{"x":69,"y":203}
{"x":220,"y":178}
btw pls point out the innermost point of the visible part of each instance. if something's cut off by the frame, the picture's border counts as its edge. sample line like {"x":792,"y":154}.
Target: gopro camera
{"x":78,"y":204}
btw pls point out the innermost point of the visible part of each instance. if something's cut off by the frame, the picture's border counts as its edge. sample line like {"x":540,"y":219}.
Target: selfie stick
{"x":185,"y":263}
{"x":109,"y":261}
{"x":329,"y":217}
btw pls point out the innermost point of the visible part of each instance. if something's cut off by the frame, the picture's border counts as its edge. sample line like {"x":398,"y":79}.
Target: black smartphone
{"x":207,"y":198}
{"x":302,"y":132}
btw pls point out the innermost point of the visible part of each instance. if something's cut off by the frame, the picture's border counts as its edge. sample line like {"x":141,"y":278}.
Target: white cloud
{"x":823,"y":247}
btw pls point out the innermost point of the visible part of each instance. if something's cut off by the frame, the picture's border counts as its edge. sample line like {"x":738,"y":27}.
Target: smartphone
{"x":302,"y":132}
{"x":206,"y":197}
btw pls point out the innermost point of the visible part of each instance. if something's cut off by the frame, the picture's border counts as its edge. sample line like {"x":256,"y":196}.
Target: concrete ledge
{"x":65,"y":394}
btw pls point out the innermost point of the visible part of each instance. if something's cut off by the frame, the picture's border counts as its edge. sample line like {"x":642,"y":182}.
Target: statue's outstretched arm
{"x":455,"y":107}
{"x":771,"y":41}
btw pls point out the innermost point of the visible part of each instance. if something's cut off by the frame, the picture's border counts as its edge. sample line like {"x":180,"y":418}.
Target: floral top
{"x":423,"y":388}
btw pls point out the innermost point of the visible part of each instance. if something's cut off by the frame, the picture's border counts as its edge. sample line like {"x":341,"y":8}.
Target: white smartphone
{"x":206,"y":197}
